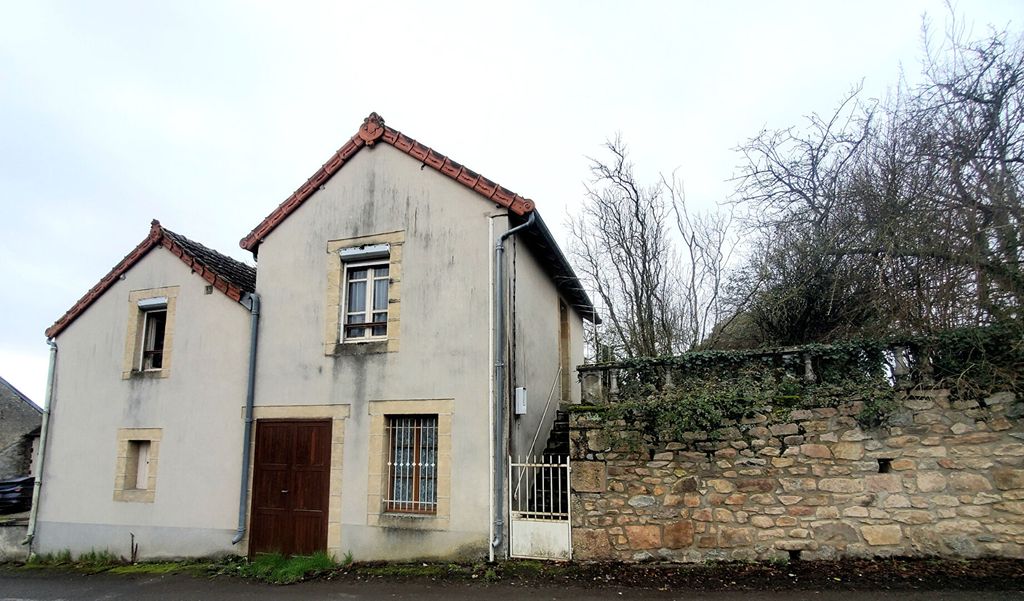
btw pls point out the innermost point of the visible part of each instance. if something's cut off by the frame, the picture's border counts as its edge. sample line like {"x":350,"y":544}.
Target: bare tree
{"x":905,"y":214}
{"x":656,"y":298}
{"x":707,"y":246}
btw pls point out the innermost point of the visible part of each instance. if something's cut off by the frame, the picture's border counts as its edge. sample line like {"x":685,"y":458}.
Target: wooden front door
{"x":291,"y":487}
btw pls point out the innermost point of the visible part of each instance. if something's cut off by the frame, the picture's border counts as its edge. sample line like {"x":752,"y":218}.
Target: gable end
{"x":373,"y":131}
{"x":231,"y":277}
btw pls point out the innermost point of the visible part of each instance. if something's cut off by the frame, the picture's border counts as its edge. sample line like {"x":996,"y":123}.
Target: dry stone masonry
{"x":943,"y":478}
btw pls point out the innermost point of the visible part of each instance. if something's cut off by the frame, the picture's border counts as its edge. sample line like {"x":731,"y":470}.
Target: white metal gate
{"x":538,"y":506}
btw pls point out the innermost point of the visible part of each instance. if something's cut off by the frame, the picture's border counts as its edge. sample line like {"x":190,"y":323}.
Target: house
{"x":352,"y":394}
{"x":144,"y":429}
{"x":19,"y":431}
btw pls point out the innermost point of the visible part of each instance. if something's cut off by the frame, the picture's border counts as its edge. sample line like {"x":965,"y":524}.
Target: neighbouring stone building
{"x":19,"y":436}
{"x":944,"y":478}
{"x":19,"y":431}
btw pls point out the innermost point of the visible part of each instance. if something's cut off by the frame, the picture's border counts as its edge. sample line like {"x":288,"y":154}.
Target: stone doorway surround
{"x":338,"y":414}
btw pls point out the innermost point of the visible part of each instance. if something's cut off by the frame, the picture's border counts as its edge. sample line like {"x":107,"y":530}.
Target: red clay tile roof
{"x":231,"y":277}
{"x":371,"y":132}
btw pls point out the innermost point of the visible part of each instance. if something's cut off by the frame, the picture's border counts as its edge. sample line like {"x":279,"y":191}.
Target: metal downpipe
{"x":41,"y":459}
{"x":499,"y":383}
{"x":243,"y":489}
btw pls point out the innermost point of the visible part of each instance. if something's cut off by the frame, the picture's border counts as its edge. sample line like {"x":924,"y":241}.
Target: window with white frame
{"x":362,"y":301}
{"x":411,"y":462}
{"x":366,"y":301}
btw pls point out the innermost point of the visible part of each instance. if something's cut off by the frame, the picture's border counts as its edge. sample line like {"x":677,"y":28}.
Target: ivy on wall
{"x":667,"y":397}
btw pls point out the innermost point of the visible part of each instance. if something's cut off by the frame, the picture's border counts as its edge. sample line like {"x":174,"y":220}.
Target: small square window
{"x":411,"y":463}
{"x":138,"y":451}
{"x":366,"y":301}
{"x":136,"y":475}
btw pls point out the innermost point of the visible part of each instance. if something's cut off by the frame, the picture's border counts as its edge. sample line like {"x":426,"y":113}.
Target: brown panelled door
{"x":291,"y":487}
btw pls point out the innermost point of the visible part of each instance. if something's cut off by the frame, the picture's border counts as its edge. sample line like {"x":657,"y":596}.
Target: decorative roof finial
{"x":372,"y":129}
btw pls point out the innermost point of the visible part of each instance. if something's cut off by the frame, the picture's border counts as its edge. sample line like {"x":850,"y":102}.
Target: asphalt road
{"x":58,"y":586}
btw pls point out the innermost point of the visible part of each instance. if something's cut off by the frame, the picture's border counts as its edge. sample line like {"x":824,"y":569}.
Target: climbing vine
{"x":671,"y":397}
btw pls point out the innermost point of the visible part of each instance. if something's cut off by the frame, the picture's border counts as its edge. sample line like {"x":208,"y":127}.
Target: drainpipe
{"x":253,"y":301}
{"x":499,"y":384}
{"x":41,"y":458}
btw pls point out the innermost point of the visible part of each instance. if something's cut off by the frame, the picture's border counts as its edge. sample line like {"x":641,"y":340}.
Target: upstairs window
{"x":149,"y":335}
{"x":362,"y":304}
{"x":366,"y":301}
{"x":367,"y":277}
{"x":154,"y":331}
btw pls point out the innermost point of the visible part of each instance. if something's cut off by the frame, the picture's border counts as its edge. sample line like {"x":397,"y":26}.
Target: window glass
{"x":356,"y":296}
{"x":380,"y":295}
{"x":366,"y":291}
{"x":412,"y":464}
{"x":154,"y":327}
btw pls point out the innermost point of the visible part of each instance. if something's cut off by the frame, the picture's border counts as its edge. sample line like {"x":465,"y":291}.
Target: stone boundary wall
{"x":942,"y":479}
{"x":13,"y":529}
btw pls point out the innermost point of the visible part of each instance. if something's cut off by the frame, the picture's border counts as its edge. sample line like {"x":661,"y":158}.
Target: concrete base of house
{"x":13,"y":529}
{"x":365,"y":543}
{"x":153,"y":542}
{"x":370,"y":543}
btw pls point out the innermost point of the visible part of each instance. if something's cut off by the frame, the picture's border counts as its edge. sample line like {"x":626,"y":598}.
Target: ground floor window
{"x":138,"y":455}
{"x":411,"y":464}
{"x":136,"y":475}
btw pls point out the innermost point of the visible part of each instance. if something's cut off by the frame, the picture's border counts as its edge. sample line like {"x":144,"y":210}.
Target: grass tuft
{"x":278,"y":569}
{"x":60,"y":558}
{"x":98,"y":559}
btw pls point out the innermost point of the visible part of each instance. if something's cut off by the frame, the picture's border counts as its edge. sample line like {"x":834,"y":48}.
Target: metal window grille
{"x":411,"y":464}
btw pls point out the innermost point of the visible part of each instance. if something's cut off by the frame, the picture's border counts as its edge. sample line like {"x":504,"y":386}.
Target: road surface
{"x":51,"y":585}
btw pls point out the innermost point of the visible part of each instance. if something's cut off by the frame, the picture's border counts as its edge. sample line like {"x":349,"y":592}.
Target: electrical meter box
{"x":520,"y":400}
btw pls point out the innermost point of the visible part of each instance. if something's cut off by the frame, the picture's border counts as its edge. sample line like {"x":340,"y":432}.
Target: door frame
{"x":338,"y":414}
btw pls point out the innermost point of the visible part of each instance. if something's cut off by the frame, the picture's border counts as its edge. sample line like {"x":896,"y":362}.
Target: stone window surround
{"x":133,"y":336}
{"x":338,"y":414}
{"x":333,"y":344}
{"x":124,"y":438}
{"x":379,"y":410}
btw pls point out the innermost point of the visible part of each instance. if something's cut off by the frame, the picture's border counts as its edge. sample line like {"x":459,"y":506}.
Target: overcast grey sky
{"x":207,"y":114}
